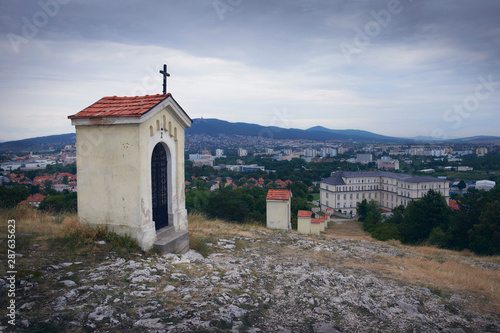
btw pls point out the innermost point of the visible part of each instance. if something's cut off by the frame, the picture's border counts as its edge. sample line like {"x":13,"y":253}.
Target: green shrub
{"x":385,"y":231}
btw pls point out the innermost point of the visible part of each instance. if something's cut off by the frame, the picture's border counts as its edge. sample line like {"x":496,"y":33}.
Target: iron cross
{"x":165,"y":75}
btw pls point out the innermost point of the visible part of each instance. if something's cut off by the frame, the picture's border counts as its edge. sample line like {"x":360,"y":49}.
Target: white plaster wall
{"x":108,"y":184}
{"x":304,"y":225}
{"x":315,"y":228}
{"x":278,"y":214}
{"x":114,"y":173}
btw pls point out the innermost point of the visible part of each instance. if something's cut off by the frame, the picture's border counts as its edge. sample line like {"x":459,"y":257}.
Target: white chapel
{"x":130,"y":165}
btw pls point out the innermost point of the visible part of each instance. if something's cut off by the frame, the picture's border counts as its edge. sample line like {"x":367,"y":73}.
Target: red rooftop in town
{"x":120,"y":106}
{"x":304,"y":213}
{"x":34,"y":199}
{"x":282,"y":195}
{"x":454,"y":205}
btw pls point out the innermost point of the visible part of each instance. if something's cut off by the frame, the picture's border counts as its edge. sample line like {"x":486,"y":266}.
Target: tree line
{"x":60,"y":202}
{"x":243,"y":205}
{"x":475,"y":225}
{"x":49,"y":169}
{"x":12,"y":194}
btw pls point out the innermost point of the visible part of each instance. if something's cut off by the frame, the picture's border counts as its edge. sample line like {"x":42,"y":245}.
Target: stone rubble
{"x":272,"y":282}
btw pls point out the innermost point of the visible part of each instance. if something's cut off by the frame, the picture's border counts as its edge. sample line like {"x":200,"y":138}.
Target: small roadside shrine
{"x":130,"y":165}
{"x":304,"y":221}
{"x":278,"y":209}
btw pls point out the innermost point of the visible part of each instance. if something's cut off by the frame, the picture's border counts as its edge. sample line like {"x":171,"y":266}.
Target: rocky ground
{"x":252,"y":281}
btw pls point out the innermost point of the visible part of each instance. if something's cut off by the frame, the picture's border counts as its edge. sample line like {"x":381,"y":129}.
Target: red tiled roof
{"x":453,"y":205}
{"x":62,"y":174}
{"x":37,"y":197}
{"x":120,"y":106}
{"x":315,"y":221}
{"x":278,"y":195}
{"x":41,"y":179}
{"x":304,"y":213}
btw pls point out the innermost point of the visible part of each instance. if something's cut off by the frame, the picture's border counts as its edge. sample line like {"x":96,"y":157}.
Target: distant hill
{"x":481,"y":139}
{"x":357,"y":133}
{"x":214,"y":127}
{"x":38,"y":144}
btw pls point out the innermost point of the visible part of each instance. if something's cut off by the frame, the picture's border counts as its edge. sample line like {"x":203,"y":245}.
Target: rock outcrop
{"x":264,"y":282}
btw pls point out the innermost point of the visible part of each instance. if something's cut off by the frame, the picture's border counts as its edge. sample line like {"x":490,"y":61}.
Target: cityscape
{"x":242,"y":154}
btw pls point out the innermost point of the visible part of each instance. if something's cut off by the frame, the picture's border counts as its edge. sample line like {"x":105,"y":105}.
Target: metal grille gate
{"x":159,"y":186}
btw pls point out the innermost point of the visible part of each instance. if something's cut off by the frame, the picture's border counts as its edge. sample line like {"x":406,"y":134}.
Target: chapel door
{"x":159,"y":186}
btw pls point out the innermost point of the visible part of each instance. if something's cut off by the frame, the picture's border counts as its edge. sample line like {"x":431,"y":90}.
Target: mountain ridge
{"x":214,"y":127}
{"x":41,"y":143}
{"x":356,"y":132}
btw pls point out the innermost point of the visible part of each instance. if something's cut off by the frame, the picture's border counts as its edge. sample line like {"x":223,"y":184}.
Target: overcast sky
{"x":399,"y":68}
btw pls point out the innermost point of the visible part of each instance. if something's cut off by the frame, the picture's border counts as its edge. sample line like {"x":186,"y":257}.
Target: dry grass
{"x":200,"y":224}
{"x":204,"y":231}
{"x":56,"y":231}
{"x":439,"y":276}
{"x":348,"y":229}
{"x":42,"y":225}
{"x":32,"y":226}
{"x":447,"y":269}
{"x":30,"y":220}
{"x":438,"y":269}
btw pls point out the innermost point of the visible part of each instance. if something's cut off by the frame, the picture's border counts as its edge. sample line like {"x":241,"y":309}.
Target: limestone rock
{"x":150,"y":323}
{"x":283,"y":282}
{"x":101,"y":313}
{"x":69,"y":283}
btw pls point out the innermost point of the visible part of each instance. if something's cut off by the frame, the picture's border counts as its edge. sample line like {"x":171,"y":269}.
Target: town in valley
{"x":237,"y":161}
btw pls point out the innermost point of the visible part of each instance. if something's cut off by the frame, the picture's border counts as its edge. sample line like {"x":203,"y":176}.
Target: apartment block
{"x":344,"y":190}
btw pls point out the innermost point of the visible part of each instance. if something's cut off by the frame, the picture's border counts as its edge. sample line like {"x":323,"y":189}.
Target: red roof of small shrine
{"x":315,"y":221}
{"x":120,"y":106}
{"x":278,"y":195}
{"x":304,"y":213}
